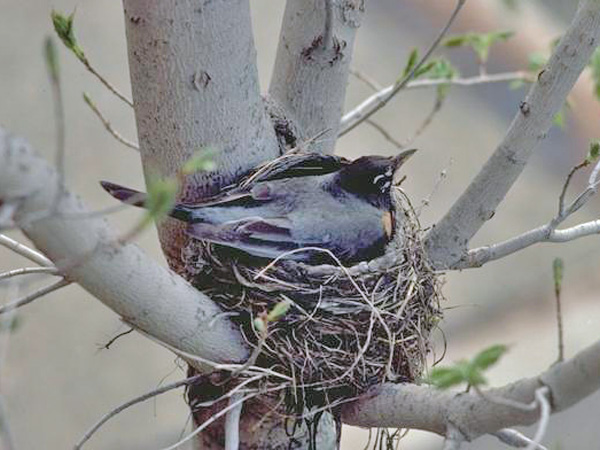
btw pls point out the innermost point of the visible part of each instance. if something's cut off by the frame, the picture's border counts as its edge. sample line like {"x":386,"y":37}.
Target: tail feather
{"x":125,"y":194}
{"x":137,"y":198}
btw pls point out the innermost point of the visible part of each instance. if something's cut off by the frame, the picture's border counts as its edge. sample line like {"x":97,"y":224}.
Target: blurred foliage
{"x":480,"y":43}
{"x":467,"y":371}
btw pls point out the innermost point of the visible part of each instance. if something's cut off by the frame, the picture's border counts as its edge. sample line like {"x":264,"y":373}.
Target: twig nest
{"x":346,"y":329}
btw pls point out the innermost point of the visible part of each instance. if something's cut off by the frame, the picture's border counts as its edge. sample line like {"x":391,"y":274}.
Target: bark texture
{"x":312,"y":66}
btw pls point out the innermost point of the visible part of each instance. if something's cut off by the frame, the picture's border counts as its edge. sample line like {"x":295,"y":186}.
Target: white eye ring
{"x":389,"y":172}
{"x":377,"y":178}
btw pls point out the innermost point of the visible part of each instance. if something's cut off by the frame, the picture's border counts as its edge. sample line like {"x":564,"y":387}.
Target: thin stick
{"x":26,"y":252}
{"x":134,"y":401}
{"x":104,"y":81}
{"x":383,"y":93}
{"x":232,"y":422}
{"x":545,"y":411}
{"x":28,"y":271}
{"x":399,"y":86}
{"x":515,"y":439}
{"x":224,"y":411}
{"x":34,"y":296}
{"x":118,"y":136}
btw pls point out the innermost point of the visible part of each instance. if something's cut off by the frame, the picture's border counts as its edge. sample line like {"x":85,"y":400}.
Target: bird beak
{"x":403,"y":156}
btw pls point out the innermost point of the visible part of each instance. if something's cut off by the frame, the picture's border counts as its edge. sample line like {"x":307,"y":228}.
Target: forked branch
{"x":448,"y":240}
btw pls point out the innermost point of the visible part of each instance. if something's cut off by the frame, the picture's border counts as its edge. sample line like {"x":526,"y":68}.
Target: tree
{"x":175,"y":109}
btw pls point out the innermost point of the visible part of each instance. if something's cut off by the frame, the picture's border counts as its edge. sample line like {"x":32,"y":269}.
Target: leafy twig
{"x":404,"y":81}
{"x":64,"y":27}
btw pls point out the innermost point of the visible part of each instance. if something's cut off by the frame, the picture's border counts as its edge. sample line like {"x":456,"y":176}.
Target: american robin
{"x":305,"y":200}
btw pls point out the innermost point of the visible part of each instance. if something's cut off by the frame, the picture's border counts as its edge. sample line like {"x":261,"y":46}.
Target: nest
{"x":346,"y":329}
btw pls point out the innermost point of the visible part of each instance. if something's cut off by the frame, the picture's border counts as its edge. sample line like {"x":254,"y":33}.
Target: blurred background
{"x":56,"y":380}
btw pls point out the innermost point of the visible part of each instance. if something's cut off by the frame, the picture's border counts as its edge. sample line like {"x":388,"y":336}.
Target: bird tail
{"x":137,"y":198}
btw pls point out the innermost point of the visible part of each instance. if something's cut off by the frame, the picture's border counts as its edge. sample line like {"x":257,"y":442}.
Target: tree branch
{"x":546,"y":233}
{"x":195,"y":85}
{"x":310,"y":76}
{"x":146,"y":295}
{"x":430,"y":409}
{"x":447,"y":241}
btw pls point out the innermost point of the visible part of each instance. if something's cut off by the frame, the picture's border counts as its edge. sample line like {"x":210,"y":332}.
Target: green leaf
{"x":593,"y":152}
{"x":457,"y":40}
{"x":63,"y":25}
{"x":480,"y":43}
{"x":279,"y":310}
{"x":162,"y":193}
{"x":559,"y":119}
{"x":557,"y":272}
{"x":412,"y":61}
{"x":202,"y":160}
{"x":537,"y":61}
{"x":51,"y":57}
{"x":516,"y":84}
{"x":489,"y":356}
{"x":446,"y":377}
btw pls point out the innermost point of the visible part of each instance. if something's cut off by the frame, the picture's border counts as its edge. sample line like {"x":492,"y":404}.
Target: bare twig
{"x":118,"y":136}
{"x":27,"y":271}
{"x":349,"y":126}
{"x":386,"y":134}
{"x":33,"y":296}
{"x":213,"y":418}
{"x":558,"y":275}
{"x":86,"y":62}
{"x":545,"y":411}
{"x":545,"y":233}
{"x":383,"y":93}
{"x":232,"y":422}
{"x":515,"y":439}
{"x":114,"y":338}
{"x":25,"y":251}
{"x":148,"y":395}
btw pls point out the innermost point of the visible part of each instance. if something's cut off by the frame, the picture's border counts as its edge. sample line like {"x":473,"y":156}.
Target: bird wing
{"x":257,"y":236}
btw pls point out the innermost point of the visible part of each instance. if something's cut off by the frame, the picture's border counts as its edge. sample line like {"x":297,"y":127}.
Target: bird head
{"x":371,"y":177}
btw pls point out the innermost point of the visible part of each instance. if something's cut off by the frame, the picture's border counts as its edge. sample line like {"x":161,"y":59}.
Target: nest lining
{"x":347,"y":329}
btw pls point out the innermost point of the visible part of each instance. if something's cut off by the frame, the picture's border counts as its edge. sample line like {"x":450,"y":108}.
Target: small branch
{"x":105,"y":82}
{"x":232,"y":422}
{"x":545,"y":233}
{"x":28,"y":271}
{"x":545,"y":411}
{"x":23,"y":250}
{"x":397,"y":87}
{"x":146,"y":295}
{"x":448,"y":240}
{"x":230,"y":407}
{"x":142,"y":398}
{"x":33,"y":296}
{"x":107,"y":124}
{"x":515,"y":439}
{"x":359,"y":111}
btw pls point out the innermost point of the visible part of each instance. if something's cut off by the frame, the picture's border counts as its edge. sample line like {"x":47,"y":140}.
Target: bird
{"x":300,"y":201}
